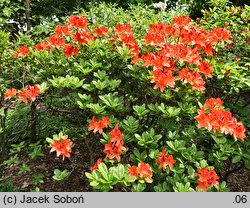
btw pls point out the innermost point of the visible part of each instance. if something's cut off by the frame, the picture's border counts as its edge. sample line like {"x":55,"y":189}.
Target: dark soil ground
{"x":238,"y":181}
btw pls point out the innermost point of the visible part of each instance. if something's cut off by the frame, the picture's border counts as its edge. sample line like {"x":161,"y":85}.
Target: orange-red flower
{"x":101,"y":31}
{"x":192,"y":78}
{"x":83,"y":37}
{"x":182,"y":53}
{"x":96,"y":125}
{"x":165,"y":160}
{"x":43,"y":46}
{"x":145,"y":172}
{"x":193,"y":36}
{"x":163,"y":79}
{"x":206,"y":178}
{"x":205,"y":68}
{"x":114,"y":147}
{"x":114,"y":150}
{"x":62,"y":147}
{"x":78,"y":22}
{"x":203,"y":120}
{"x":158,"y":33}
{"x":9,"y":93}
{"x":133,"y":171}
{"x":21,"y":51}
{"x":116,"y":135}
{"x":56,"y":41}
{"x":70,"y":50}
{"x":61,"y":31}
{"x":239,"y":131}
{"x":29,"y":93}
{"x":158,"y":61}
{"x":96,"y":165}
{"x":123,"y":28}
{"x":105,"y":121}
{"x":219,"y":34}
{"x":213,"y":103}
{"x":181,"y":21}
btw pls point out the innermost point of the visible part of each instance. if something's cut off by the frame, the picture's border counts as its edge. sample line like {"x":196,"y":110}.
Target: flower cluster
{"x":185,"y":32}
{"x":213,"y":116}
{"x":193,"y":78}
{"x":21,"y":51}
{"x":101,"y":31}
{"x":124,"y":34}
{"x":98,"y":126}
{"x":143,"y":171}
{"x":28,"y":93}
{"x":114,"y":147}
{"x":10,"y":93}
{"x":67,"y":37}
{"x":62,"y":146}
{"x":181,"y":42}
{"x":206,"y":178}
{"x":165,"y":160}
{"x":76,"y":28}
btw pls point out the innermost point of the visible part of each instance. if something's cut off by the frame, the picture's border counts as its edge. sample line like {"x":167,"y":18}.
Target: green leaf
{"x":154,"y":154}
{"x":24,"y":168}
{"x":247,"y":164}
{"x":101,"y":75}
{"x":171,"y":145}
{"x":236,"y":159}
{"x":7,"y":11}
{"x":112,"y":101}
{"x":169,"y":111}
{"x":219,"y":139}
{"x":120,"y":171}
{"x":96,"y":108}
{"x":139,"y":187}
{"x":191,"y":171}
{"x":49,"y":140}
{"x":66,"y":82}
{"x":100,"y":85}
{"x":94,"y":183}
{"x":102,"y":168}
{"x":89,"y":175}
{"x":140,"y":110}
{"x":130,"y":124}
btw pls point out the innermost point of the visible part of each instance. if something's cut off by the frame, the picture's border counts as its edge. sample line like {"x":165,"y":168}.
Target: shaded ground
{"x":239,"y":181}
{"x":79,"y":163}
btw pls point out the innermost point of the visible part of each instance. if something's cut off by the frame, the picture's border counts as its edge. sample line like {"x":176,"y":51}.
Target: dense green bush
{"x":231,"y":65}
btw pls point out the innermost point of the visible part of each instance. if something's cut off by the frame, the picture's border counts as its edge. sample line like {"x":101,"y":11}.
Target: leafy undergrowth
{"x":43,"y":168}
{"x":12,"y":180}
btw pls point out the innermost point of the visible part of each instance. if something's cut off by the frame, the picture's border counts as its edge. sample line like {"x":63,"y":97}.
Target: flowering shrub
{"x":138,"y":91}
